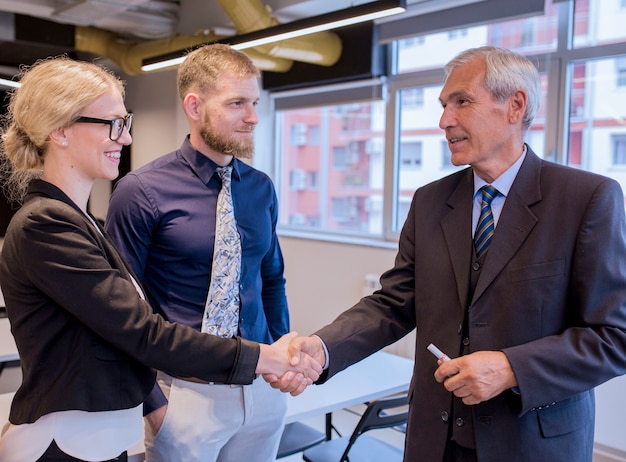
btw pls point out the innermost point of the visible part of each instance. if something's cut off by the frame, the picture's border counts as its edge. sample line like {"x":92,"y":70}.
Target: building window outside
{"x":596,"y":133}
{"x":411,"y":154}
{"x":344,"y":169}
{"x":353,"y":149}
{"x":413,"y":98}
{"x":457,"y":34}
{"x":619,"y":150}
{"x":446,"y":156}
{"x":298,"y":135}
{"x":620,"y":71}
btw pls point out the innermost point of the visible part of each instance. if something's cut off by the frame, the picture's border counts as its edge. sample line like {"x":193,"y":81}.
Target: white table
{"x":8,"y":350}
{"x":379,"y":375}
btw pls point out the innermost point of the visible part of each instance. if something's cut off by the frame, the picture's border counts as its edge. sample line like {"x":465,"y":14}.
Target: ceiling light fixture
{"x":353,"y":15}
{"x":9,"y":83}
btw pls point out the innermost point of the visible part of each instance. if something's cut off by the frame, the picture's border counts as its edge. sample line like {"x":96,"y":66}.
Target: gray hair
{"x":506,"y":72}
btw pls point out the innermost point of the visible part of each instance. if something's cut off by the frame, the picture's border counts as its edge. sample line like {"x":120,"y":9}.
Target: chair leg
{"x":330,"y":427}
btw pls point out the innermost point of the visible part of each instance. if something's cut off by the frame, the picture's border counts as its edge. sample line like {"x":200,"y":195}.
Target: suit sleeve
{"x":74,"y":270}
{"x":130,"y":221}
{"x":378,"y":319}
{"x":592,"y":349}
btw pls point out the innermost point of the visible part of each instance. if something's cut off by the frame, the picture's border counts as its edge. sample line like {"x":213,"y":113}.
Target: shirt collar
{"x":504,"y":182}
{"x":202,"y":166}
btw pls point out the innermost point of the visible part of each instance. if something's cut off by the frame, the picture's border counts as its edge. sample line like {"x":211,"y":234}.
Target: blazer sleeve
{"x":379,"y":319}
{"x":592,"y":349}
{"x":83,"y":274}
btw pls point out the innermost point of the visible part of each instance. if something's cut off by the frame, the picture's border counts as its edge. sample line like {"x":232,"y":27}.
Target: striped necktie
{"x":221,"y":313}
{"x":486,"y":226}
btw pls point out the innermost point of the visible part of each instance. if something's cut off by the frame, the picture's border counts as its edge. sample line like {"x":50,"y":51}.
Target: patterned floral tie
{"x":221,"y":312}
{"x":485,"y":228}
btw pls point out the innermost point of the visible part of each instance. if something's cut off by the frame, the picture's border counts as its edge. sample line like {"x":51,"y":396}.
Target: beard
{"x":243,"y":149}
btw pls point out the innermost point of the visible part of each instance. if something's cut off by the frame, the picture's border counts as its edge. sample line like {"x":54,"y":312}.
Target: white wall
{"x":159,"y":124}
{"x":326,"y":278}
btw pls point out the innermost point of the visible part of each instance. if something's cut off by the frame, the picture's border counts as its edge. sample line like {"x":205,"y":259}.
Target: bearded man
{"x":163,"y":219}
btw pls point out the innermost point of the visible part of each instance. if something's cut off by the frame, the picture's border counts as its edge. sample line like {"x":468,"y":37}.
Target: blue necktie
{"x":221,"y":313}
{"x":485,"y":228}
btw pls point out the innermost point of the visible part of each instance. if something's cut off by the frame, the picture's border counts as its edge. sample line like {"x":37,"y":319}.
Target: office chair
{"x":382,"y":413}
{"x":297,"y":437}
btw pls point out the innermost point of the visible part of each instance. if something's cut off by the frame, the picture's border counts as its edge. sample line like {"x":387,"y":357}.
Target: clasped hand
{"x":306,"y":359}
{"x":286,"y":366}
{"x":476,"y":377}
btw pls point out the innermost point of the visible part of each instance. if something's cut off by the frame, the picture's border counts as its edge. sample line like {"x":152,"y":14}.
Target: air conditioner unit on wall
{"x":298,"y":179}
{"x":298,"y":133}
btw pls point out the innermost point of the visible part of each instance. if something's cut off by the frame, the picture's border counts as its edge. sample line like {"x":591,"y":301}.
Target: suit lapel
{"x":456,"y":228}
{"x":515,"y":223}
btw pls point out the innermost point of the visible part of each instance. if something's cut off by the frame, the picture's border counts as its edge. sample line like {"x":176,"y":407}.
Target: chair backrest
{"x":382,"y":413}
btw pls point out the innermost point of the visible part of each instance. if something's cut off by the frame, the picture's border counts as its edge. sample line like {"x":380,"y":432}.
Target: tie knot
{"x":225,"y":173}
{"x":489,"y":193}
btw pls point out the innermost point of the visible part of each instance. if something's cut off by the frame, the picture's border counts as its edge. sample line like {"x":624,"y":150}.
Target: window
{"x":298,"y":134}
{"x":446,"y":155}
{"x":335,"y":183}
{"x":457,"y":34}
{"x":619,"y":149}
{"x":413,"y":98}
{"x":419,"y":125}
{"x":314,"y":135}
{"x":620,"y":71}
{"x":596,"y":132}
{"x":365,"y":156}
{"x":528,"y":33}
{"x":341,"y":157}
{"x":297,"y":179}
{"x":598,"y":22}
{"x":419,"y":141}
{"x":313,"y":180}
{"x":411,"y":154}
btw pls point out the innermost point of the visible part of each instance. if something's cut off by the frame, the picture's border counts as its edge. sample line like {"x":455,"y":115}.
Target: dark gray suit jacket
{"x":86,"y":339}
{"x":551,"y":295}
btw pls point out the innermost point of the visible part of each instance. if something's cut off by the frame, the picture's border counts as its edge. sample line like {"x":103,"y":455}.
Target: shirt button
{"x":459,"y":422}
{"x":444,"y":416}
{"x":476,"y":266}
{"x":466,"y":341}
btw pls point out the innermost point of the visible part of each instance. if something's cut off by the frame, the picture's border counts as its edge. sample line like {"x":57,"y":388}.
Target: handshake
{"x":292,"y":363}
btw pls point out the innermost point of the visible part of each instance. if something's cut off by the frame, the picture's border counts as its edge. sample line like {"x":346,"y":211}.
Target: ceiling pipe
{"x":321,"y":48}
{"x":130,"y":55}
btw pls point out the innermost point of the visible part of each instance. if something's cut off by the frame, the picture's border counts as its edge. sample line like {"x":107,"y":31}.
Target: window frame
{"x":556,"y":64}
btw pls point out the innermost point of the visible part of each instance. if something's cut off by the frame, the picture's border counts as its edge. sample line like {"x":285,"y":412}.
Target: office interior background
{"x":347,"y":150}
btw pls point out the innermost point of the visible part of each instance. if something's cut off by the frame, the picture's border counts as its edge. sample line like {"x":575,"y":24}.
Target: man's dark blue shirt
{"x":162,"y":218}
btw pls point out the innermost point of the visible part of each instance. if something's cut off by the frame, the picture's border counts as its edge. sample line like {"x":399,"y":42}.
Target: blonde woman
{"x":87,"y":338}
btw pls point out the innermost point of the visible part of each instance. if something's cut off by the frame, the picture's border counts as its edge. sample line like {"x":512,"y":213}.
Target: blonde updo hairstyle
{"x":52,"y":95}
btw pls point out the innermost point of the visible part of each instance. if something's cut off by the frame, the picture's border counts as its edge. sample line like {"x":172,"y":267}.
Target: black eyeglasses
{"x":116,"y":126}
